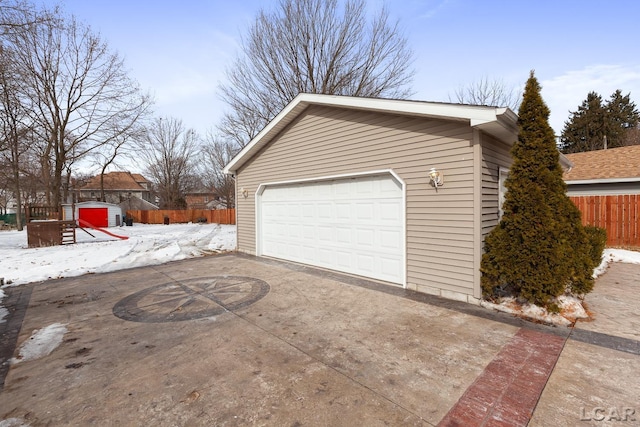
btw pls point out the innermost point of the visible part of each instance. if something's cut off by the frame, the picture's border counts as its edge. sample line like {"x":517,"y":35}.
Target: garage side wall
{"x":326,"y":141}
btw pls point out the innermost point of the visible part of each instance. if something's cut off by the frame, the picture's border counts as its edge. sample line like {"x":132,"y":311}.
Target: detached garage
{"x":397,"y":191}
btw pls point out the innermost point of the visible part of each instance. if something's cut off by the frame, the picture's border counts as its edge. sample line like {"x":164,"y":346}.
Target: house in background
{"x":203,"y":199}
{"x":614,"y":171}
{"x":119,"y":187}
{"x":399,"y":191}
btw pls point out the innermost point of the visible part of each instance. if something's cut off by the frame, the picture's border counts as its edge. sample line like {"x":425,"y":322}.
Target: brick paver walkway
{"x":507,"y":391}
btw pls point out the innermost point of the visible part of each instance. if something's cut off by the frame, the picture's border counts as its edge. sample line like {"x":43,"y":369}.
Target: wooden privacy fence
{"x":619,"y":215}
{"x":218,"y":216}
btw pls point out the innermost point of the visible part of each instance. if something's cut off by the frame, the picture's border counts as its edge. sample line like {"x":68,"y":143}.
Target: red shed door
{"x":98,"y":217}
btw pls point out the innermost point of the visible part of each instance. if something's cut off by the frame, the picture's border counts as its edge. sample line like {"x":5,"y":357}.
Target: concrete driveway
{"x":234,"y":340}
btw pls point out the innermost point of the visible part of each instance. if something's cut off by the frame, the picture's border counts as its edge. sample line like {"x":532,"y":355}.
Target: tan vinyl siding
{"x":495,"y":155}
{"x":328,"y":141}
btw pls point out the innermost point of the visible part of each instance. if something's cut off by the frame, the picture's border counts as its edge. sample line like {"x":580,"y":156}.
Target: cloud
{"x":433,"y":9}
{"x":564,"y":93}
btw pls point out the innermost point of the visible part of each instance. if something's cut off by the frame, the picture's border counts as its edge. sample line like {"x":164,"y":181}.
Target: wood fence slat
{"x":619,"y":215}
{"x":620,"y":206}
{"x":633,"y":219}
{"x":218,"y":216}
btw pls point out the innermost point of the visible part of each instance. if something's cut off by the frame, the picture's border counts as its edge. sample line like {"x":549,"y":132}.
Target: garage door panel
{"x":390,"y":267}
{"x":365,"y":211}
{"x":293,"y":210}
{"x":390,"y":239}
{"x":366,"y":238}
{"x":324,"y":211}
{"x":343,"y":211}
{"x":343,"y":259}
{"x":353,"y":225}
{"x":390,"y":211}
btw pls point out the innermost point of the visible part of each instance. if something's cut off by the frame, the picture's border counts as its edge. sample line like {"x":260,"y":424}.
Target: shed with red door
{"x":98,"y":214}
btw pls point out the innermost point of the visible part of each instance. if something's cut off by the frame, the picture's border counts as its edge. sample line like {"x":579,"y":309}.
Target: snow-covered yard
{"x":147,"y":245}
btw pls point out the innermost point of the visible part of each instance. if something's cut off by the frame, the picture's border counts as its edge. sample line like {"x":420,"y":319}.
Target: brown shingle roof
{"x":622,"y":162}
{"x":139,"y":178}
{"x":116,"y":181}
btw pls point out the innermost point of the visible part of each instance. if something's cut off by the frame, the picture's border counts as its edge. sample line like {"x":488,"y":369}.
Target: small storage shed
{"x":347,"y":183}
{"x":98,"y":214}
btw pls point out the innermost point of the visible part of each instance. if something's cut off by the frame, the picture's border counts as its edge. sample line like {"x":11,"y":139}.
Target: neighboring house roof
{"x":136,"y":203}
{"x":498,"y":122}
{"x":612,"y":165}
{"x":117,"y":181}
{"x":139,"y":178}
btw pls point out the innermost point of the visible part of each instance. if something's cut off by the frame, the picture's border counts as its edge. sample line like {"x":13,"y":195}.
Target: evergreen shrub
{"x":539,"y":250}
{"x":597,"y":241}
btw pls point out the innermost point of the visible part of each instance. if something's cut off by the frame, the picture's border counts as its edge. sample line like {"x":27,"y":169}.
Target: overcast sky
{"x":179,"y":50}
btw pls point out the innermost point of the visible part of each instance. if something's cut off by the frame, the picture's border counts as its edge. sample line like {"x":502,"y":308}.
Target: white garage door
{"x":352,"y":225}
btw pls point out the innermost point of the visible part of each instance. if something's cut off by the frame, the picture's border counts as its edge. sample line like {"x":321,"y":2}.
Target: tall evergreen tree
{"x":622,"y":117}
{"x":586,"y":127}
{"x":595,"y":122}
{"x":539,"y":249}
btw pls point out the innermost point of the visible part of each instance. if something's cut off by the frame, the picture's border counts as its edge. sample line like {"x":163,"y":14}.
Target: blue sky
{"x":179,"y":50}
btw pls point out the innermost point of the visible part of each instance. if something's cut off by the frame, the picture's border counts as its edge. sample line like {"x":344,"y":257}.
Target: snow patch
{"x":13,"y":422}
{"x":41,"y":343}
{"x":616,"y":255}
{"x":3,"y":311}
{"x":571,"y":309}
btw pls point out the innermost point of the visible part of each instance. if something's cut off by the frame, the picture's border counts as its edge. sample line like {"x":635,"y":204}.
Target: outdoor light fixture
{"x":244,"y":192}
{"x":436,"y":177}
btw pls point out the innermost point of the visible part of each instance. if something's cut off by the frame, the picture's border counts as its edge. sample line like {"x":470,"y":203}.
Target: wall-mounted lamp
{"x":436,"y":178}
{"x":244,"y":192}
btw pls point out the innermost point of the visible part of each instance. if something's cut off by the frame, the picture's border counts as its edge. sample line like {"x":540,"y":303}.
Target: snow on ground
{"x":13,"y":422}
{"x":3,"y":311}
{"x":41,"y":343}
{"x":147,"y":245}
{"x":616,"y":255}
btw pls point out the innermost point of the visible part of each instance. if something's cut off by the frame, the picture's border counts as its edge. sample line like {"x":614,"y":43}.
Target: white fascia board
{"x":602,"y":181}
{"x":500,"y":122}
{"x":566,"y":164}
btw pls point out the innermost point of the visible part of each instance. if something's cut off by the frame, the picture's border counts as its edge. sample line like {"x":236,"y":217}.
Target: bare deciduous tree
{"x":485,"y":91}
{"x":15,"y":128}
{"x":122,"y":145}
{"x":312,"y":46}
{"x":81,"y":94}
{"x":169,"y":153}
{"x":13,"y":14}
{"x":216,"y":153}
{"x":631,"y":137}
